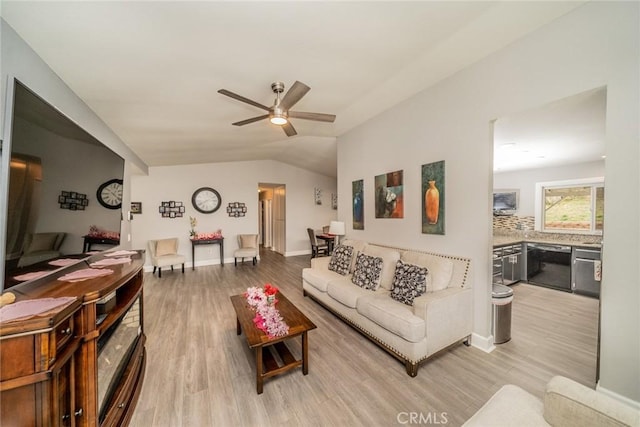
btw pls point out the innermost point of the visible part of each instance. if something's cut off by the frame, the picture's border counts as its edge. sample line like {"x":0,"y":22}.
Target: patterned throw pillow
{"x":341,"y":259}
{"x":409,"y":282}
{"x":367,"y":271}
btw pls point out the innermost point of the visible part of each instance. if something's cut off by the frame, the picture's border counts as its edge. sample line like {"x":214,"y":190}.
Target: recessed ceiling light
{"x":508,"y":145}
{"x":604,"y":157}
{"x":541,"y":157}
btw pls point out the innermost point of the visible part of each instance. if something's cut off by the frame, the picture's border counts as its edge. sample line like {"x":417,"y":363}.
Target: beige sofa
{"x":40,"y":247}
{"x":566,"y":404}
{"x":412,"y":333}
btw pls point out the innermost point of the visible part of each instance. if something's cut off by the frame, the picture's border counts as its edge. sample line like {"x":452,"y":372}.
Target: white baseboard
{"x":618,"y":397}
{"x":483,"y":343}
{"x":149,"y":268}
{"x":297,"y":253}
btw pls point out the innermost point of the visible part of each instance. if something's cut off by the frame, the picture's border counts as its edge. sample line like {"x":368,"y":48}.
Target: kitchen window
{"x":575,"y":206}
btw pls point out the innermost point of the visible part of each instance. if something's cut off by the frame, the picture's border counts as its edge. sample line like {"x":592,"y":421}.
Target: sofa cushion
{"x":367,"y":272}
{"x":510,"y":406}
{"x":440,"y":269}
{"x":389,"y":258}
{"x":358,"y":246}
{"x":341,"y":259}
{"x":248,"y":241}
{"x":409,"y":282}
{"x":392,"y":315}
{"x":345,"y":292}
{"x":166,"y":247}
{"x":42,"y":242}
{"x":319,"y":278}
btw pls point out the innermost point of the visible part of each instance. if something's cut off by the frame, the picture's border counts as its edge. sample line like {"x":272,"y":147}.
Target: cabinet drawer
{"x":63,"y":333}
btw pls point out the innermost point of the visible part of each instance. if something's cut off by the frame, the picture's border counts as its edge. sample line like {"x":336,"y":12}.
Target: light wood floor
{"x":200,"y":373}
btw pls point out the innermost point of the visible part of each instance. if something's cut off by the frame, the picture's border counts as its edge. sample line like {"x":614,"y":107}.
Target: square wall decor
{"x":389,"y":195}
{"x":171,"y":209}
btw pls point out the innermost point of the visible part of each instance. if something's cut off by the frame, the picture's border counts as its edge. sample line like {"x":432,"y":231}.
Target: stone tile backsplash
{"x":514,"y":222}
{"x":523,"y":227}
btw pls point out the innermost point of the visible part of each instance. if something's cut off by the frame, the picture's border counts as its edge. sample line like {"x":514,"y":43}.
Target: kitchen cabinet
{"x":586,"y":272}
{"x":507,"y":264}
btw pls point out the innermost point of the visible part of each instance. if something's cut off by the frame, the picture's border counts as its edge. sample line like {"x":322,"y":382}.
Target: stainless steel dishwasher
{"x":586,"y":271}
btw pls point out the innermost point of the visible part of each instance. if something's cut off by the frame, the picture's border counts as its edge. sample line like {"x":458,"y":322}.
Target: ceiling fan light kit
{"x":279,"y":113}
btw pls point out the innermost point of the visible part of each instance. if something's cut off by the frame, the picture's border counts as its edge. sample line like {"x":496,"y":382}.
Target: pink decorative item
{"x":208,"y":236}
{"x":85,"y":274}
{"x":95,"y":231}
{"x":268,"y":318}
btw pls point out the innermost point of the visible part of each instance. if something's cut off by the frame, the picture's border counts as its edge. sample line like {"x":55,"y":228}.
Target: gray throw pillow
{"x":341,"y":259}
{"x":367,"y":272}
{"x":409,"y":282}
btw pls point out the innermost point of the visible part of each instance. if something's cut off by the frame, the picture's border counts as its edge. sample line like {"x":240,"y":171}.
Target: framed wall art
{"x":171,"y":209}
{"x":236,"y":209}
{"x":433,"y":198}
{"x":389,"y":195}
{"x":357,"y":190}
{"x":317,"y":196}
{"x":136,"y":207}
{"x":72,"y":200}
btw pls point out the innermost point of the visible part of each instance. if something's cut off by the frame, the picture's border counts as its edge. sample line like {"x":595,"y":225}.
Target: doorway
{"x":272,"y":216}
{"x":561,"y":142}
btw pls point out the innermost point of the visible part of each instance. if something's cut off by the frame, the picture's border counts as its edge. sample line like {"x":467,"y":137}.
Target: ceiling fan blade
{"x":288,"y":129}
{"x":242,"y":99}
{"x":251,"y":120}
{"x":319,"y":117}
{"x":294,"y":94}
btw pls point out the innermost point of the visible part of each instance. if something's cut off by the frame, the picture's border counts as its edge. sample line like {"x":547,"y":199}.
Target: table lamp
{"x":337,"y":228}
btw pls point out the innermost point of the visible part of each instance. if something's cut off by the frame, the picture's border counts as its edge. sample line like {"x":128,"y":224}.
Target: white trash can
{"x":501,"y":299}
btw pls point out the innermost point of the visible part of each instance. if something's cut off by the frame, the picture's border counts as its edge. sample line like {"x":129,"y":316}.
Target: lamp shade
{"x":337,"y":228}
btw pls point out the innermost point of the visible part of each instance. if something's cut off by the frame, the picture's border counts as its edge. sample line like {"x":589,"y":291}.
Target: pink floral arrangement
{"x":208,"y":236}
{"x":268,"y":318}
{"x":95,"y":231}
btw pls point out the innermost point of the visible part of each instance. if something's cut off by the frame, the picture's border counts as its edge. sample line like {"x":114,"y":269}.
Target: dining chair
{"x":317,"y":248}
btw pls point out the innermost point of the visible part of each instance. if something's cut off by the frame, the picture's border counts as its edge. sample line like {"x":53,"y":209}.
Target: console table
{"x":195,"y":242}
{"x":93,"y":240}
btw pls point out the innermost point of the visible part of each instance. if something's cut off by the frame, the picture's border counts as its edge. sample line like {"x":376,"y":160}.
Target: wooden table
{"x":195,"y":242}
{"x":266,"y":364}
{"x":329,"y":238}
{"x":93,"y":240}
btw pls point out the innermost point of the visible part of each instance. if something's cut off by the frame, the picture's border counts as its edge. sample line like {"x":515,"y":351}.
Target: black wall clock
{"x":206,"y":200}
{"x":109,"y":194}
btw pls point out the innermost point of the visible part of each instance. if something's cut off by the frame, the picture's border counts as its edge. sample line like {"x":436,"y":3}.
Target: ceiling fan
{"x":279,"y":113}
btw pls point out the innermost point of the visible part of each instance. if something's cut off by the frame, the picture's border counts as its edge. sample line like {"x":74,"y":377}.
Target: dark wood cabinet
{"x":51,"y":373}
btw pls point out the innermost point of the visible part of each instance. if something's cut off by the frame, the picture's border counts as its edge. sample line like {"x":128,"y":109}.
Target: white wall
{"x":236,"y":182}
{"x":526,"y":180}
{"x":595,"y":45}
{"x":21,"y":62}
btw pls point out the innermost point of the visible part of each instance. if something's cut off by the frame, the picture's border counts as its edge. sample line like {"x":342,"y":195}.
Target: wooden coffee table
{"x":266,"y":364}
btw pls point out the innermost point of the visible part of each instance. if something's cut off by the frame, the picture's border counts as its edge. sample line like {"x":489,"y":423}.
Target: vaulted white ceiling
{"x":151,"y":70}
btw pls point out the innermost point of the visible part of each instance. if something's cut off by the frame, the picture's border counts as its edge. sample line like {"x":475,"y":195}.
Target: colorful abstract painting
{"x":357,"y":188}
{"x":389,"y":196}
{"x":433,"y":198}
